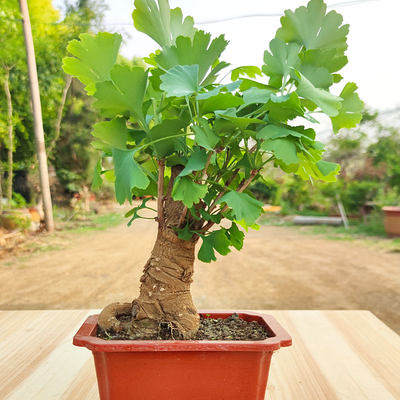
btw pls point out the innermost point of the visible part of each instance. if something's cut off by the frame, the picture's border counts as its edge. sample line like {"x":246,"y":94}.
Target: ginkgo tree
{"x":177,"y":133}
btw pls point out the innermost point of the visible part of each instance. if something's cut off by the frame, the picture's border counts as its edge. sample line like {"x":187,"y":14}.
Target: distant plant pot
{"x":183,"y":369}
{"x":391,"y":221}
{"x":15,"y":220}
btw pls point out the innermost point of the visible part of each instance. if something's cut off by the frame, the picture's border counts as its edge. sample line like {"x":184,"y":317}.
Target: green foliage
{"x":94,"y":58}
{"x":219,"y":137}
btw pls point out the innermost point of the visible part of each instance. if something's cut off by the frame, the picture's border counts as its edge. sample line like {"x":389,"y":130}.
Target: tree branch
{"x":160,"y":193}
{"x":241,"y":188}
{"x":60,"y":114}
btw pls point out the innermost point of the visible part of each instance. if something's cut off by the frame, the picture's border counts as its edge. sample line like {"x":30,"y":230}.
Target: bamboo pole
{"x":37,"y":116}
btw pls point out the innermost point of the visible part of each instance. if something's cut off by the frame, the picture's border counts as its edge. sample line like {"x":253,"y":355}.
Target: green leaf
{"x":167,"y":131}
{"x":197,"y":161}
{"x":97,"y":181}
{"x":241,"y":122}
{"x":95,"y":56}
{"x":124,"y":94}
{"x":210,"y":78}
{"x":329,"y":170}
{"x":284,"y":108}
{"x":236,"y":236}
{"x":189,"y":51}
{"x":114,"y":132}
{"x":275,"y":131}
{"x":248,"y":70}
{"x":188,"y":192}
{"x":327,"y":102}
{"x":318,"y":76}
{"x":215,"y":240}
{"x":313,"y":28}
{"x":222,"y":101}
{"x":243,"y":206}
{"x":128,"y":174}
{"x":185,"y":233}
{"x":134,"y":212}
{"x":230,"y":87}
{"x":350,"y":113}
{"x":204,"y":135}
{"x":161,"y":23}
{"x":280,"y":61}
{"x":181,"y":80}
{"x":327,"y":58}
{"x":283,"y":149}
{"x":255,"y":95}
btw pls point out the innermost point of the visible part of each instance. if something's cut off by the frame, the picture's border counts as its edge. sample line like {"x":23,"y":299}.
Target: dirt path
{"x":278,"y":269}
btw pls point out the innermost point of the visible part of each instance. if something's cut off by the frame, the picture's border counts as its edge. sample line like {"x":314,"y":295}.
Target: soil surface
{"x":231,"y":328}
{"x":278,"y":268}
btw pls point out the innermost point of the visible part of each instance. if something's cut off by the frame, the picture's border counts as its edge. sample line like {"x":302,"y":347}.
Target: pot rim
{"x":86,"y":337}
{"x":391,"y":208}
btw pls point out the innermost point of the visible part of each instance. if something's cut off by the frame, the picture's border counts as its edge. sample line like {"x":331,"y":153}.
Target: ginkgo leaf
{"x":167,"y":136}
{"x":230,"y":87}
{"x":128,"y":175}
{"x":200,"y":50}
{"x":124,"y":94}
{"x":160,"y":22}
{"x":196,"y":161}
{"x":95,"y":56}
{"x":283,"y":149}
{"x":114,"y":132}
{"x":181,"y":80}
{"x":188,"y":192}
{"x":243,"y":206}
{"x":327,"y":102}
{"x":255,"y":95}
{"x":275,"y":131}
{"x":204,"y":135}
{"x":312,"y":27}
{"x":97,"y":181}
{"x":284,"y":108}
{"x":216,"y":240}
{"x":350,"y":113}
{"x":281,"y":60}
{"x":248,"y":70}
{"x":222,"y":101}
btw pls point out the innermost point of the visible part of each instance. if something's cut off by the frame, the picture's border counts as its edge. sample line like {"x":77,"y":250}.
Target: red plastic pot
{"x":183,"y":369}
{"x":392,"y":221}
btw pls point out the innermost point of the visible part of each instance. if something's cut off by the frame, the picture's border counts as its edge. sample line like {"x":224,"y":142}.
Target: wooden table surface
{"x":349,"y":355}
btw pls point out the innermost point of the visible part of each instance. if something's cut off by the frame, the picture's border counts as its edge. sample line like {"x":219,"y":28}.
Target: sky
{"x":374,"y":50}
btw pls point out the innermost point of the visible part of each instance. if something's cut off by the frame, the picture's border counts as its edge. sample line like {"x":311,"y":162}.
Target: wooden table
{"x":335,"y":355}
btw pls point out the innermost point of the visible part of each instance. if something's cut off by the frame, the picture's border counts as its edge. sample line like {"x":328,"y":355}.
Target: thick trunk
{"x":164,"y":308}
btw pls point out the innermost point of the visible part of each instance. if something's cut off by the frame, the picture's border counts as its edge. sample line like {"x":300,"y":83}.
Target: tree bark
{"x":164,"y":308}
{"x":10,"y":137}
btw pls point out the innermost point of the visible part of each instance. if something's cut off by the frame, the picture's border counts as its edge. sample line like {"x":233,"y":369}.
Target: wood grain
{"x":336,"y":355}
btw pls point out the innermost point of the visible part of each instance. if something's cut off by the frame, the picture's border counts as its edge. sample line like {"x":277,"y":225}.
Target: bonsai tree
{"x":178,"y":132}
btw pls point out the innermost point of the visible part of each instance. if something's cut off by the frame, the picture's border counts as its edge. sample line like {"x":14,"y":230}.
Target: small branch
{"x":242,"y":188}
{"x":160,"y":192}
{"x":68,"y":82}
{"x":204,"y":175}
{"x":228,"y":182}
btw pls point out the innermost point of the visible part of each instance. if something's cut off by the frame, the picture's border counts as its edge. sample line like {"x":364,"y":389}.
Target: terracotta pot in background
{"x":391,"y":220}
{"x":184,"y":369}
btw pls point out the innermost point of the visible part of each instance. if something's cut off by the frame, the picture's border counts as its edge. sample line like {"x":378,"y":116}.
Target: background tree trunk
{"x":10,"y":136}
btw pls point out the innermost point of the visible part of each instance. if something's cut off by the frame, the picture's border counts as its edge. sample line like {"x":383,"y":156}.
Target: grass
{"x":371,"y":232}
